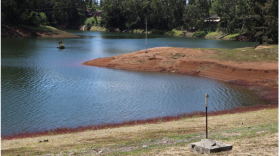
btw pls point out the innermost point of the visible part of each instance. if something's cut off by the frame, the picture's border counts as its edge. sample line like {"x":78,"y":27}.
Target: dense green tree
{"x":195,"y":13}
{"x":126,"y":14}
{"x":269,"y":17}
{"x":40,"y":12}
{"x":255,"y":17}
{"x":229,"y":12}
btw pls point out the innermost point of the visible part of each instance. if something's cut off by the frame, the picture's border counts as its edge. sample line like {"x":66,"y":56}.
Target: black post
{"x":206,"y":124}
{"x":206,"y":96}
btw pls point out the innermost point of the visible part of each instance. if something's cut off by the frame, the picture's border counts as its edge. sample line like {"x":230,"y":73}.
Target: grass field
{"x":250,"y":133}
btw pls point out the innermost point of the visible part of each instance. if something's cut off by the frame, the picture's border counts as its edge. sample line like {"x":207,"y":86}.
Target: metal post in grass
{"x":207,"y":145}
{"x":206,"y":96}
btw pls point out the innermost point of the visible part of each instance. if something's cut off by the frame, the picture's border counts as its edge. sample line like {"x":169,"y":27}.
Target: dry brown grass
{"x":250,"y":133}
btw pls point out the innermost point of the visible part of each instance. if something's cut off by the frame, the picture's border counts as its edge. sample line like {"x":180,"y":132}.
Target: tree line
{"x":256,"y":17}
{"x":46,"y":12}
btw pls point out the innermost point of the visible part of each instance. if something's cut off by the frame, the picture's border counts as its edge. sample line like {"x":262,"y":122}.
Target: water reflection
{"x":44,"y":88}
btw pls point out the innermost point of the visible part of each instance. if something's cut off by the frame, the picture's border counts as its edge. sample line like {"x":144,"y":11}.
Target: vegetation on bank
{"x":93,"y":21}
{"x":96,"y":28}
{"x":250,"y":132}
{"x":28,"y":31}
{"x":46,"y":29}
{"x":255,"y":18}
{"x":175,"y":32}
{"x":265,"y":54}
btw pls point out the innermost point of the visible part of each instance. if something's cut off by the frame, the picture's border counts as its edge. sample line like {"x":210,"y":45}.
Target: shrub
{"x":34,"y":18}
{"x":43,"y":19}
{"x":93,"y":21}
{"x":200,"y":34}
{"x":89,"y":22}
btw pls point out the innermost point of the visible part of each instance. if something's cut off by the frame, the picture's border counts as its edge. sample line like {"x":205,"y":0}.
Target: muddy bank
{"x":138,"y":122}
{"x":261,"y":77}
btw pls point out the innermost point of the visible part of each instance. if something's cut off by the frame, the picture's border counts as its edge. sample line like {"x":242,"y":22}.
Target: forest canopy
{"x":255,"y":17}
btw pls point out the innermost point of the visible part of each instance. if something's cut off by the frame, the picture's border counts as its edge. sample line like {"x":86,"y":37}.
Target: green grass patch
{"x":47,"y":30}
{"x":21,"y":151}
{"x":152,"y":141}
{"x":92,"y":21}
{"x":238,"y":133}
{"x":174,"y":32}
{"x":214,"y":35}
{"x":137,"y":30}
{"x":41,"y":28}
{"x":245,"y":132}
{"x":231,"y":36}
{"x":97,"y":28}
{"x":199,"y":34}
{"x":183,"y":136}
{"x":247,"y":54}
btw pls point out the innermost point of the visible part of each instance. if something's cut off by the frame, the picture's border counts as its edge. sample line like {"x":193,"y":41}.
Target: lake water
{"x":44,"y":88}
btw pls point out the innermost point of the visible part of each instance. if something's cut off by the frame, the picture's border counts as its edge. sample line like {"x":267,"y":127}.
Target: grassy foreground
{"x":250,"y":133}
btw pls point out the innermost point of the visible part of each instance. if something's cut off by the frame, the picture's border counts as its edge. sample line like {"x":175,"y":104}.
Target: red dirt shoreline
{"x":137,"y":122}
{"x":189,"y":61}
{"x":259,"y":76}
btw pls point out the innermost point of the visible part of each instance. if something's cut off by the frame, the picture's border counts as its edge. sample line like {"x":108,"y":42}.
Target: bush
{"x":174,"y":32}
{"x":156,"y":31}
{"x":231,"y":36}
{"x":35,"y":18}
{"x":43,"y":19}
{"x":89,"y":22}
{"x":93,"y":21}
{"x":200,"y":34}
{"x":169,"y":33}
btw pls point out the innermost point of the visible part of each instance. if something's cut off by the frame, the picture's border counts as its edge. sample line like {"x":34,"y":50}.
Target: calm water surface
{"x":44,"y":88}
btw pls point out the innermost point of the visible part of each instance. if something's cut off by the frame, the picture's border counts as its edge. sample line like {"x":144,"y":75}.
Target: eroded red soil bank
{"x":138,"y":122}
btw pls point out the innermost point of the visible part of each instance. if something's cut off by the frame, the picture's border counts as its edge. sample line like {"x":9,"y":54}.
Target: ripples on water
{"x":44,"y":88}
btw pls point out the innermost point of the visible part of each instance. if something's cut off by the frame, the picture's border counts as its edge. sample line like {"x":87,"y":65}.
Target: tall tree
{"x":269,"y":16}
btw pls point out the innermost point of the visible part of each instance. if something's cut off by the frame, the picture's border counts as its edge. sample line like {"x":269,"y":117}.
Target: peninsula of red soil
{"x":201,"y":63}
